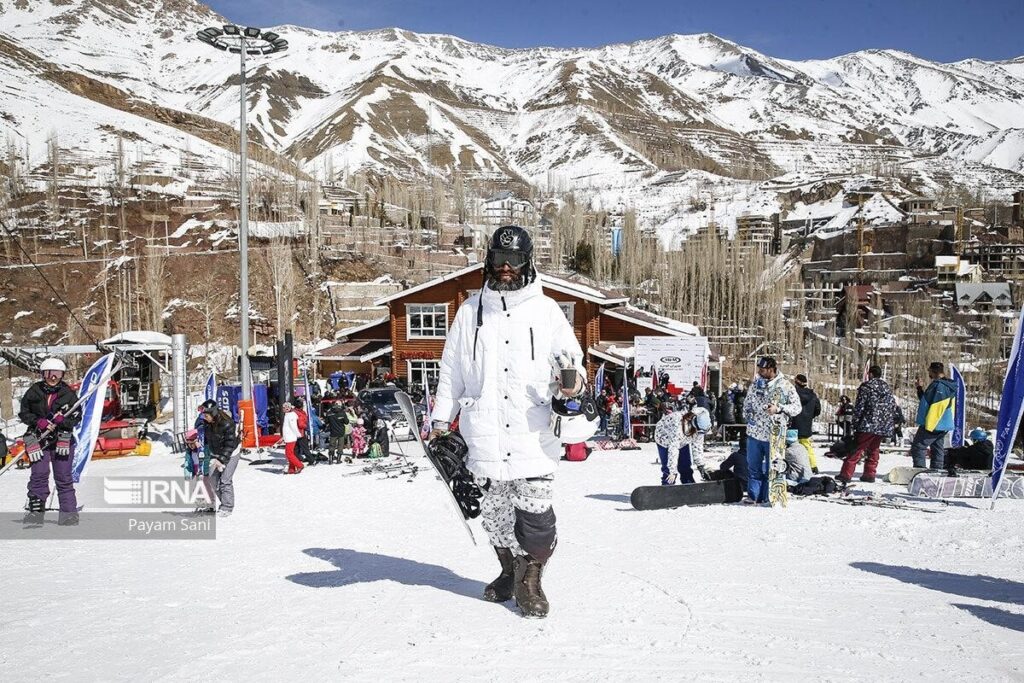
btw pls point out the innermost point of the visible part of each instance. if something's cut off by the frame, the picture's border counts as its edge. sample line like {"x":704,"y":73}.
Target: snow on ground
{"x":360,"y":578}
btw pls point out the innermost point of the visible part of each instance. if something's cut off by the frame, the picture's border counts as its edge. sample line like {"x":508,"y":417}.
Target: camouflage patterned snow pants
{"x":517,"y":515}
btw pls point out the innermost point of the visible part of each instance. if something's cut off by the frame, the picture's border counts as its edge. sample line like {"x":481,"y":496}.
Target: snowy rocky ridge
{"x":400,"y":102}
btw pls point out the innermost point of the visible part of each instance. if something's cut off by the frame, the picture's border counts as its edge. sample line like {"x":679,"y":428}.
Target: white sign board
{"x":683,"y":358}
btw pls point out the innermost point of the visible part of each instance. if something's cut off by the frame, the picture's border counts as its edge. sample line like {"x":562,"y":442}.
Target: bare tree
{"x":153,"y":288}
{"x":283,"y":280}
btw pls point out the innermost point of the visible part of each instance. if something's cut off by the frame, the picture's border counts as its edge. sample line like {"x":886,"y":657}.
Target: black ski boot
{"x":528,"y":592}
{"x":500,"y":590}
{"x":68,"y":519}
{"x":36,"y":510}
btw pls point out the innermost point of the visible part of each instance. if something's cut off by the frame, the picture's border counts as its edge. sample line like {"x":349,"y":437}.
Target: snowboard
{"x":405,"y":403}
{"x":701,"y":493}
{"x":904,"y":475}
{"x":965,"y":485}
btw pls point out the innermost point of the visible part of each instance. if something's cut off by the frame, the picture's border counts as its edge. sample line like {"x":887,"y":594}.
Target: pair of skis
{"x":872,"y":501}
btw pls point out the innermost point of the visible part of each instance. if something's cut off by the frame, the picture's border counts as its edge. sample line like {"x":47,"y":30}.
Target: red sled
{"x":576,"y":452}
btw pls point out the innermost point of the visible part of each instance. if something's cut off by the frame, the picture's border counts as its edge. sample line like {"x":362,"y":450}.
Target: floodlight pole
{"x":243,"y":228}
{"x":263,"y":43}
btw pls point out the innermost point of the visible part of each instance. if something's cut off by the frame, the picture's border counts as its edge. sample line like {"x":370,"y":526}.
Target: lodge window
{"x":427,"y":321}
{"x":424,"y":369}
{"x":568,"y":308}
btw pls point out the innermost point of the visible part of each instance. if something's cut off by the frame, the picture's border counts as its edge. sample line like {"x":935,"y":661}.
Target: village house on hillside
{"x":411,"y":337}
{"x":505,"y":208}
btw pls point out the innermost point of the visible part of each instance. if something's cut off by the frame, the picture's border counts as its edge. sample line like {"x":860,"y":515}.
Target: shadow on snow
{"x":978,"y":586}
{"x":353,"y":566}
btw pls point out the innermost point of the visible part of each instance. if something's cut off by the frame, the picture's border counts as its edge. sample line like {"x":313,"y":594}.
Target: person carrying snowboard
{"x":771,"y":403}
{"x":44,"y":410}
{"x":496,"y":376}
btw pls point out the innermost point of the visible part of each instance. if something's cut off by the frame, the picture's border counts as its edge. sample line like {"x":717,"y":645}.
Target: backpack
{"x":815,"y":486}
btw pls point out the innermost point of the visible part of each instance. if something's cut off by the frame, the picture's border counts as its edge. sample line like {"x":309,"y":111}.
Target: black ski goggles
{"x":515,"y":259}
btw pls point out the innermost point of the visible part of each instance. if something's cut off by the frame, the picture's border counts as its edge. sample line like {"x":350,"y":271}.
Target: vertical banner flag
{"x":599,"y":381}
{"x":627,"y":427}
{"x":425,"y":426}
{"x":654,"y":378}
{"x":704,"y":377}
{"x":866,"y":376}
{"x":1010,"y":409}
{"x":959,"y":410}
{"x":314,"y":430}
{"x":88,"y":428}
{"x":210,"y":394}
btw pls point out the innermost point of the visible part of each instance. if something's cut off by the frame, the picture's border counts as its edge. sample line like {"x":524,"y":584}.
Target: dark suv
{"x":382,"y":403}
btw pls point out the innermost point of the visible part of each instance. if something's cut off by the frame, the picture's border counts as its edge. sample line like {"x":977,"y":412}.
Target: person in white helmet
{"x":44,"y":410}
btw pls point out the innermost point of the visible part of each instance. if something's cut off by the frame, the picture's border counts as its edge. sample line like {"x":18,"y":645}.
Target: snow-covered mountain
{"x":400,"y":102}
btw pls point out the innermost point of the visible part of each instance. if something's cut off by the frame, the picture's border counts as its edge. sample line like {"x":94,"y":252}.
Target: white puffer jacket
{"x":500,"y":379}
{"x":290,"y":427}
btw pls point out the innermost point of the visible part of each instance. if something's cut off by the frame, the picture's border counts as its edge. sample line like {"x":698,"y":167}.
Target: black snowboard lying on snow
{"x":701,"y":493}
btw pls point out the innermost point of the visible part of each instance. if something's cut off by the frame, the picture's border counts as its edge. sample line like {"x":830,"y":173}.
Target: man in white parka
{"x":497,"y":376}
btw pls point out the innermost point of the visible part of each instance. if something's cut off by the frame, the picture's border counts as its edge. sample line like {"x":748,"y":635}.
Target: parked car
{"x":382,"y":403}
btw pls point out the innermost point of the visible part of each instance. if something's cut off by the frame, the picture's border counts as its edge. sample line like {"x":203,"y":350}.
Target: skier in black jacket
{"x":804,"y":422}
{"x":44,"y":407}
{"x":337,"y":421}
{"x":225,"y":451}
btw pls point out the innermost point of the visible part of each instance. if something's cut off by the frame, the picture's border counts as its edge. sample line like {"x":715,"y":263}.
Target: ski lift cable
{"x":14,"y":236}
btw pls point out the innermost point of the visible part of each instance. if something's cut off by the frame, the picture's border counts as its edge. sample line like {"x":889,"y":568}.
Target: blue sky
{"x":941,"y":30}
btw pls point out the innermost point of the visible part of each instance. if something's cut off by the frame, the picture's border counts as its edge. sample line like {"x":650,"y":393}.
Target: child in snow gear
{"x":225,"y":451}
{"x":359,"y":439}
{"x":49,"y":443}
{"x":798,"y":464}
{"x":498,"y":377}
{"x":197,"y":466}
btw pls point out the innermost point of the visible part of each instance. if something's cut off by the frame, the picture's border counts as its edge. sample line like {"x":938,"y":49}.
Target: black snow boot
{"x":36,"y":510}
{"x":528,"y":592}
{"x":500,"y":590}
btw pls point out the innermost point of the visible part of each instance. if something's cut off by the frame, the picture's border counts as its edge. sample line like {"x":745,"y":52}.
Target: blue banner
{"x":210,"y":393}
{"x":599,"y":381}
{"x":959,"y":410}
{"x":95,"y":381}
{"x":627,"y":427}
{"x":261,"y":403}
{"x":1010,"y":409}
{"x":314,"y":428}
{"x":228,"y":396}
